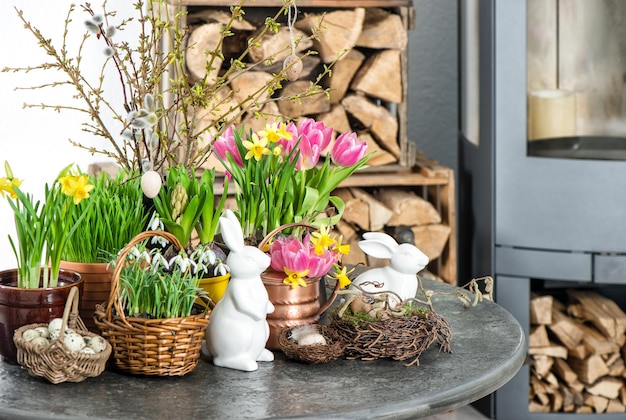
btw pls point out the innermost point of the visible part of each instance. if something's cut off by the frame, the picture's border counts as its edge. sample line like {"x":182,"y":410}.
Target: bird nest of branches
{"x":330,"y":347}
{"x":381,"y":325}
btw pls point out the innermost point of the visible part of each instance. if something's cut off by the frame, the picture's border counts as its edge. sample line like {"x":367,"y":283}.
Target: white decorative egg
{"x":55,"y":324}
{"x":151,"y":183}
{"x":312,"y":339}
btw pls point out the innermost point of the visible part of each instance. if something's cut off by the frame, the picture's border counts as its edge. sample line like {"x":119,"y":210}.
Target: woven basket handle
{"x":115,"y":299}
{"x":70,"y":306}
{"x":279,"y":229}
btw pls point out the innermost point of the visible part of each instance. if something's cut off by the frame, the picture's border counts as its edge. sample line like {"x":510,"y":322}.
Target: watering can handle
{"x":330,"y":300}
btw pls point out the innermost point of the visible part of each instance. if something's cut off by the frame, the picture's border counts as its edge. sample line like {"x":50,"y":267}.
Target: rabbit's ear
{"x":231,"y":231}
{"x":381,"y":237}
{"x":375,"y":248}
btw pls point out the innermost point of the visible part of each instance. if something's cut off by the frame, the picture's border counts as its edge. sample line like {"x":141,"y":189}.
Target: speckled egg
{"x":55,"y":324}
{"x":74,"y":341}
{"x":43,"y":331}
{"x":293,"y":67}
{"x":97,"y":344}
{"x":39,"y":341}
{"x":30,"y":334}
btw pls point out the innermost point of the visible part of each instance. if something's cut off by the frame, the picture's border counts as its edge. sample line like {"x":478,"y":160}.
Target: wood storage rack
{"x":369,"y":83}
{"x":396,"y":164}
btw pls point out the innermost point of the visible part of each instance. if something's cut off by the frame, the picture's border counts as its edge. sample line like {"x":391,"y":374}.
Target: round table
{"x":488,"y":348}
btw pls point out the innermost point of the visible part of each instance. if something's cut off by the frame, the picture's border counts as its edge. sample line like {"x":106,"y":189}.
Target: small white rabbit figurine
{"x":406,"y":260}
{"x":238,"y":330}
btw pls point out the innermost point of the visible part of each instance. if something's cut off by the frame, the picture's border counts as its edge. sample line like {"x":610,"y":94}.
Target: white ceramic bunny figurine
{"x":238,"y":330}
{"x":406,"y":260}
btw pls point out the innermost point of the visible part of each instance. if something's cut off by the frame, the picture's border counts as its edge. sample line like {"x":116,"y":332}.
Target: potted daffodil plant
{"x":37,"y":290}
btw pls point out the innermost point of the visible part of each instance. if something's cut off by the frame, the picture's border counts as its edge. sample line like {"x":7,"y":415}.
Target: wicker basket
{"x":315,"y":353}
{"x":398,"y":337}
{"x":161,"y":347}
{"x":55,"y":362}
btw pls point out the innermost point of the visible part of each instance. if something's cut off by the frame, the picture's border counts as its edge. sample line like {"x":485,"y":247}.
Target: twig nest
{"x":309,"y":347}
{"x":293,"y":67}
{"x":151,"y":183}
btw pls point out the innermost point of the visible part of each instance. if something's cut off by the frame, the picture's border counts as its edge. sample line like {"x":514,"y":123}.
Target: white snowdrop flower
{"x":179,"y":261}
{"x":158,"y":260}
{"x":222,"y":268}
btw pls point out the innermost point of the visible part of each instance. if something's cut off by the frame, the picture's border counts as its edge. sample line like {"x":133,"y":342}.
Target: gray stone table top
{"x":488,"y":348}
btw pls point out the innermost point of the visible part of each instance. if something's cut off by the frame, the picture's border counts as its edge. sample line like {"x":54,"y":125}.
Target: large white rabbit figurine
{"x":238,"y":330}
{"x":406,"y":260}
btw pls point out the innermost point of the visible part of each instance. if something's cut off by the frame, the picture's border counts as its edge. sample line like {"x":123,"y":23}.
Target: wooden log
{"x":202,"y":41}
{"x":343,"y":73}
{"x":379,"y":213}
{"x":431,"y":239}
{"x":553,"y":350}
{"x":541,"y":309}
{"x":313,"y":104}
{"x":601,"y":311}
{"x":615,"y":407}
{"x":382,"y":29}
{"x":598,"y":403}
{"x":589,"y":369}
{"x":341,"y":29}
{"x":578,"y":352}
{"x":563,"y":370}
{"x":257,"y":120}
{"x":274,"y":47}
{"x":556,"y":401}
{"x":381,"y":76}
{"x":335,"y":118}
{"x":597,"y":343}
{"x":565,"y":329}
{"x":249,"y":88}
{"x":357,"y":212}
{"x":538,"y":336}
{"x":616,"y":367}
{"x":380,"y":156}
{"x":408,"y":208}
{"x":542,"y":365}
{"x":378,"y":119}
{"x":607,"y":387}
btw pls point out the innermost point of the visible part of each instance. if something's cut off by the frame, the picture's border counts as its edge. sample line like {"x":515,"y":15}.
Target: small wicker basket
{"x":315,"y":353}
{"x":161,"y":347}
{"x":55,"y":362}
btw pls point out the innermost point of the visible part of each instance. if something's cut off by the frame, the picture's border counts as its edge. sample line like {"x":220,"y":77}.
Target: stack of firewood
{"x":368,"y":83}
{"x":577,"y":354}
{"x":393,"y":210}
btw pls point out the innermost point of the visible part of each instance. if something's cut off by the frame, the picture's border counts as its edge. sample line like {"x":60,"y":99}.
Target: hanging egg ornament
{"x":293,"y":67}
{"x":151,"y":184}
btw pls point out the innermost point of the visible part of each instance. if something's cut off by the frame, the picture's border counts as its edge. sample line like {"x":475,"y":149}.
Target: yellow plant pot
{"x":214,"y":287}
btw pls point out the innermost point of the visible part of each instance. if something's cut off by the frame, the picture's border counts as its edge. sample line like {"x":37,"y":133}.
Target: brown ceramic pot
{"x":19,"y":306}
{"x":292,"y":307}
{"x":96,"y":288}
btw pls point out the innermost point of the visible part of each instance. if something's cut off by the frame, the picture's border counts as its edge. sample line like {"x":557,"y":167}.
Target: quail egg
{"x":39,"y":341}
{"x":30,"y":334}
{"x":97,"y":344}
{"x":43,"y":331}
{"x":55,"y":324}
{"x":74,"y":341}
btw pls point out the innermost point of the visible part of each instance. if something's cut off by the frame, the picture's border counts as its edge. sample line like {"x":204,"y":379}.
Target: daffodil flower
{"x":274,"y":132}
{"x":341,"y":275}
{"x":321,"y":240}
{"x":295,"y":278}
{"x":76,"y":186}
{"x":256,"y":148}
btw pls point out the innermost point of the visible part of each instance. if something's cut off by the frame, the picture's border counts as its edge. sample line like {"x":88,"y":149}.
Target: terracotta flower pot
{"x":96,"y":288}
{"x":19,"y":306}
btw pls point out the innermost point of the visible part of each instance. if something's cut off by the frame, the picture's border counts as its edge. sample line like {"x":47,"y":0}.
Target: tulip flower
{"x":347,"y":150}
{"x":226,"y":144}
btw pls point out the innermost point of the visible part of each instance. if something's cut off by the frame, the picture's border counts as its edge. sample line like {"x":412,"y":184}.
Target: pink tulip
{"x":309,"y":154}
{"x":347,"y":150}
{"x":299,"y":256}
{"x":226,"y":145}
{"x":316,"y":132}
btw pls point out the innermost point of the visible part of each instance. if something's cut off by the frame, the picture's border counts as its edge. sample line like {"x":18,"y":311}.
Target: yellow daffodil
{"x":341,"y":275}
{"x":321,"y":240}
{"x":256,"y":148}
{"x":76,"y":186}
{"x":342,"y":248}
{"x":295,"y":278}
{"x":7,"y":186}
{"x":275,"y":132}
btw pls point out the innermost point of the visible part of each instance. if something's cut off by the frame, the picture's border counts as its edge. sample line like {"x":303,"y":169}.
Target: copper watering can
{"x":292,"y":307}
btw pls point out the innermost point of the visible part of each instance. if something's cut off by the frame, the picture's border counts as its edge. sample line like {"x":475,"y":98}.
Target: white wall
{"x":35,"y":141}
